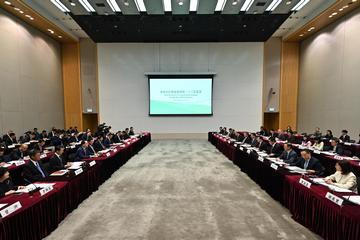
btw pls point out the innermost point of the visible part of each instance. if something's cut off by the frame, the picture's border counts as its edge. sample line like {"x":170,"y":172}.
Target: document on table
{"x":31,"y":187}
{"x":294,"y":169}
{"x":104,"y":151}
{"x":76,"y":165}
{"x":354,"y":199}
{"x":321,"y":181}
{"x":59,"y":173}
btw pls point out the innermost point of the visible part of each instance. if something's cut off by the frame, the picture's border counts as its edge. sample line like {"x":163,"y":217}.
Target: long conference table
{"x":308,"y":204}
{"x":35,"y":215}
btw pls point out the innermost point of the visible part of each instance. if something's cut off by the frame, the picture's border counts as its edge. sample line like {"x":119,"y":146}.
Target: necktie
{"x":306,"y":164}
{"x":40,"y":170}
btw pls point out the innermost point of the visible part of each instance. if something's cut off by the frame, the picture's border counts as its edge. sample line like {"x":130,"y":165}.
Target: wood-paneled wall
{"x":289,"y":82}
{"x":72,"y":85}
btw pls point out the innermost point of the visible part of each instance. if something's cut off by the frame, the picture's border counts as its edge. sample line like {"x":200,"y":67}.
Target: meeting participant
{"x":74,"y":138}
{"x":52,"y":132}
{"x":117,"y":137}
{"x":289,"y":156}
{"x":19,"y":153}
{"x":289,"y":129}
{"x":107,"y":140}
{"x":262,"y":145}
{"x":336,"y":147}
{"x":82,"y":152}
{"x":224,"y":129}
{"x":292,"y":139}
{"x":282,"y":135}
{"x":125,"y":135}
{"x":43,"y":135}
{"x":33,"y":170}
{"x":273,"y":133}
{"x":98,"y":143}
{"x":6,"y":185}
{"x":57,"y":162}
{"x":343,"y":177}
{"x":55,"y":138}
{"x":317,"y":133}
{"x":318,"y":144}
{"x":246,"y":138}
{"x":90,"y":149}
{"x":87,"y":135}
{"x":40,"y":145}
{"x":263,"y":131}
{"x":10,"y":138}
{"x":4,"y":158}
{"x":221,"y":130}
{"x":309,"y":163}
{"x":232,"y":133}
{"x":306,"y":142}
{"x":275,"y":149}
{"x":26,"y":137}
{"x":131,"y":131}
{"x":36,"y":133}
{"x":253,"y":141}
{"x":329,"y":135}
{"x":344,"y":136}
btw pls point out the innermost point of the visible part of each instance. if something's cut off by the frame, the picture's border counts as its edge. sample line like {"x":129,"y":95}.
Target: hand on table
{"x":310,"y":171}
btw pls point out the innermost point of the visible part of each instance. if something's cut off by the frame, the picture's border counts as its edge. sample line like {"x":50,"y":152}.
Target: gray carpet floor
{"x":177,"y":189}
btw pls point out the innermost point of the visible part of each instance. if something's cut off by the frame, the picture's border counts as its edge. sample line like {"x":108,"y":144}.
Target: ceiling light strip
{"x":60,"y":5}
{"x":87,"y":6}
{"x":273,"y":5}
{"x":220,"y":5}
{"x":300,"y":5}
{"x":113,"y":5}
{"x":140,"y":5}
{"x":167,"y":5}
{"x":246,"y":5}
{"x":193,"y":5}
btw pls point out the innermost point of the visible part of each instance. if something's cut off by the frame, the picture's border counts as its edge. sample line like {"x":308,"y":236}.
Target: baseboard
{"x":179,"y":136}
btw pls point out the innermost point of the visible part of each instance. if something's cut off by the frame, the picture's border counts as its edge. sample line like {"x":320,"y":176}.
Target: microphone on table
{"x":36,"y":189}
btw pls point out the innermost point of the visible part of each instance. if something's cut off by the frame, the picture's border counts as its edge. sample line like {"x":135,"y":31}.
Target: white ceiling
{"x":295,"y":21}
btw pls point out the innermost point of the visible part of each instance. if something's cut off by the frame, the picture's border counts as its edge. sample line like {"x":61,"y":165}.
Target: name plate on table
{"x":229,"y":141}
{"x":77,"y":172}
{"x":274,"y":166}
{"x":335,"y":199}
{"x":92,"y":163}
{"x":115,"y":150}
{"x":108,"y":154}
{"x":305,"y":183}
{"x":19,"y":162}
{"x":45,"y":190}
{"x":10,"y":209}
{"x":241,"y":148}
{"x":316,"y":151}
{"x":43,"y":156}
{"x":338,"y":157}
{"x":235,"y":145}
{"x":261,"y":159}
{"x":248,"y":151}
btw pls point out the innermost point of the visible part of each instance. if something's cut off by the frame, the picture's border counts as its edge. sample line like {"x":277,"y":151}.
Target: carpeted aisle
{"x":177,"y":189}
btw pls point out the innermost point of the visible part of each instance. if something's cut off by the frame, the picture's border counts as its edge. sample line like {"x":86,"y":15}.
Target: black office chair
{"x":358,"y":184}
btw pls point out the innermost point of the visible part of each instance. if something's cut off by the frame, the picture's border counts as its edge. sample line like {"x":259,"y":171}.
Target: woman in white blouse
{"x":318,"y":144}
{"x":306,"y":142}
{"x":343,"y":177}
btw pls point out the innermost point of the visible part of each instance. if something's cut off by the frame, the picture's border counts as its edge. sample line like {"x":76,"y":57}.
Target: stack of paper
{"x":354,"y":199}
{"x":76,"y":165}
{"x":59,"y":173}
{"x":294,"y":169}
{"x":2,"y":205}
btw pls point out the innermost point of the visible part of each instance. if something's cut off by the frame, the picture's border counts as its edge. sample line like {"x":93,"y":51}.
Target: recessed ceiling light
{"x":28,"y":16}
{"x":334,"y":13}
{"x":21,"y":12}
{"x":17,"y":9}
{"x":330,"y":16}
{"x":340,"y":9}
{"x":346,"y":6}
{"x":126,"y":3}
{"x":7,"y":3}
{"x":59,"y":36}
{"x":180,"y":2}
{"x":234,"y":2}
{"x":288,"y":2}
{"x":31,"y":18}
{"x":301,"y":35}
{"x":220,"y":5}
{"x":310,"y":29}
{"x":354,"y":0}
{"x":73,"y":4}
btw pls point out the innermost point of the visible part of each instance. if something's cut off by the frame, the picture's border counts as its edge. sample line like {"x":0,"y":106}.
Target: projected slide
{"x":180,"y":96}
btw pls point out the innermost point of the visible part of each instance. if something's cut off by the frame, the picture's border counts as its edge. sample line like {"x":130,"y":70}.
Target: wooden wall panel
{"x":72,"y":85}
{"x":289,"y":82}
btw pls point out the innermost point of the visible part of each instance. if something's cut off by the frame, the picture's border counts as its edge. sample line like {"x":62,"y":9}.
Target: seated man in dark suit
{"x":36,"y":133}
{"x":40,"y":145}
{"x":309,"y":163}
{"x":33,"y":170}
{"x":55,"y":139}
{"x":263,"y":131}
{"x":344,"y":136}
{"x":90,"y":149}
{"x":336,"y":147}
{"x":82,"y":153}
{"x":117,"y":137}
{"x":288,"y":155}
{"x":273,"y":133}
{"x":131,"y":131}
{"x":57,"y":162}
{"x":19,"y":153}
{"x":6,"y":185}
{"x":4,"y":158}
{"x":107,"y":140}
{"x":253,"y":141}
{"x":74,"y":138}
{"x":246,"y":138}
{"x":43,"y":134}
{"x":98,"y":144}
{"x":125,"y":135}
{"x":10,"y":139}
{"x":275,"y":149}
{"x":262,"y":145}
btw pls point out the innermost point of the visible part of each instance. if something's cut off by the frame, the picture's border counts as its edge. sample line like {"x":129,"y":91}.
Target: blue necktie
{"x":306,"y":164}
{"x":40,"y":170}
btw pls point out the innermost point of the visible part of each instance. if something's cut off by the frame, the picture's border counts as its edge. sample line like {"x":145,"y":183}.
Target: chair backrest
{"x":358,"y":185}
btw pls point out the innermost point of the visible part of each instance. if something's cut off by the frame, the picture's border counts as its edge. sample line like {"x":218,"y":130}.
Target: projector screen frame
{"x":178,"y":75}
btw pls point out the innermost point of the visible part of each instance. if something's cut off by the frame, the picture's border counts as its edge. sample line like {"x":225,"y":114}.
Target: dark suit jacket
{"x":107,"y":142}
{"x":98,"y":146}
{"x":253,"y":143}
{"x":263,"y":146}
{"x":314,"y":164}
{"x":277,"y":149}
{"x":5,"y":158}
{"x":17,"y":154}
{"x":8,"y":141}
{"x":56,"y":141}
{"x":81,"y":153}
{"x":345,"y":138}
{"x":247,"y":140}
{"x":32,"y":174}
{"x":116,"y":139}
{"x":56,"y":163}
{"x":290,"y":157}
{"x":6,"y":186}
{"x":90,"y":150}
{"x":339,"y":150}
